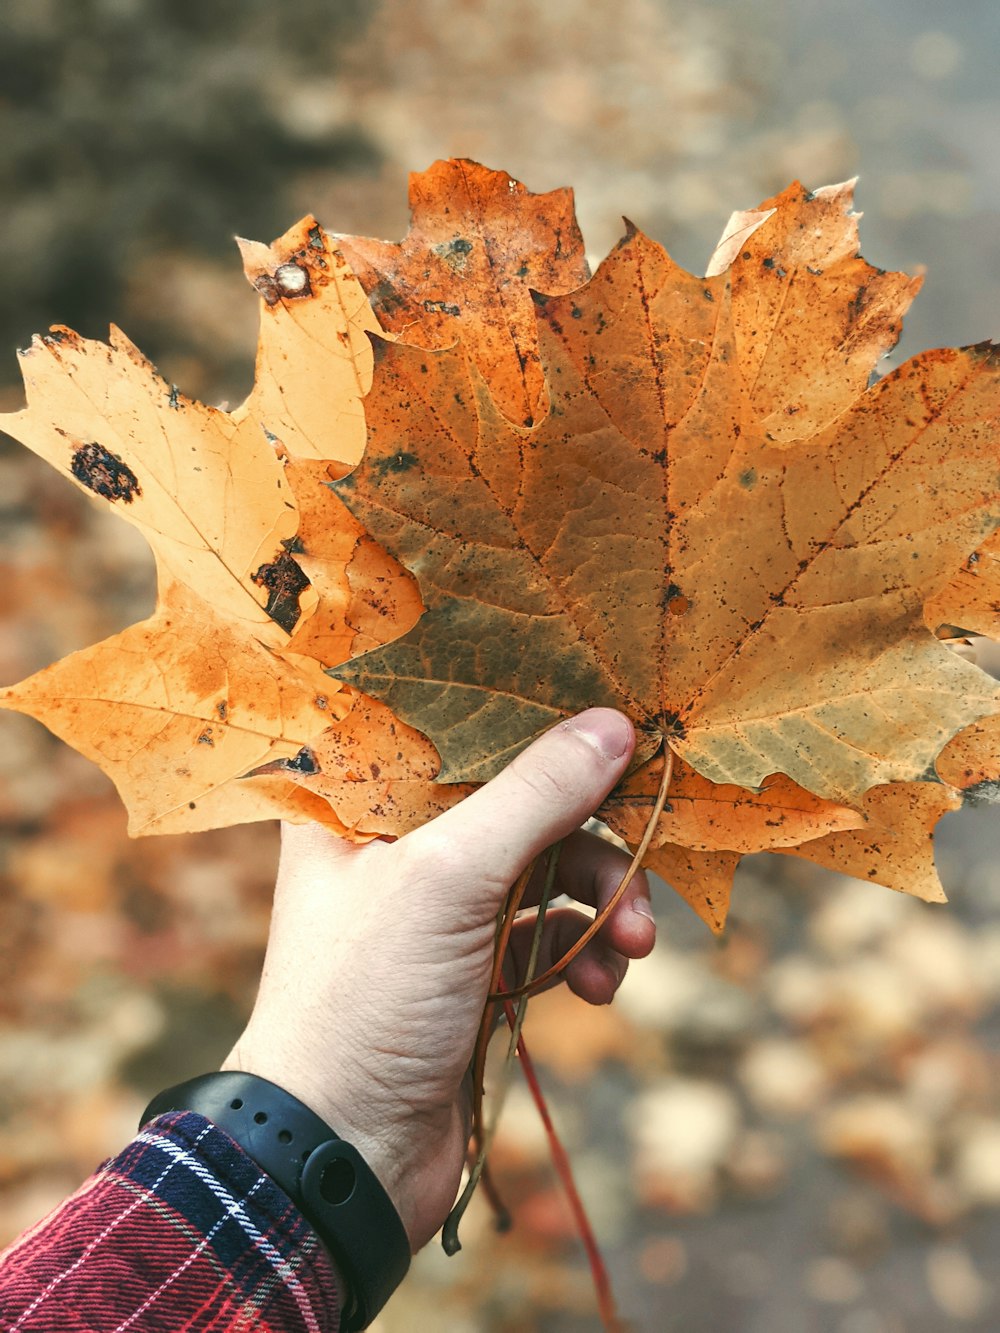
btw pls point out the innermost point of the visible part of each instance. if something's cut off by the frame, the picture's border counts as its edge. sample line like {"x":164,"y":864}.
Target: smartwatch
{"x":327,"y":1179}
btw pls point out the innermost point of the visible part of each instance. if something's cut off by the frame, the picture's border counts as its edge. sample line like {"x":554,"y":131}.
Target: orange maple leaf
{"x":710,"y":530}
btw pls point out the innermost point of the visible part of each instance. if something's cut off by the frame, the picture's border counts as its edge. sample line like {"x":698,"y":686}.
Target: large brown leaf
{"x":753,"y":599}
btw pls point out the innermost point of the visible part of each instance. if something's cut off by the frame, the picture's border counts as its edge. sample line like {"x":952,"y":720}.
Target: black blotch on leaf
{"x":442,"y":308}
{"x":303,"y":762}
{"x":284,"y":583}
{"x":105,"y":473}
{"x":401,"y":462}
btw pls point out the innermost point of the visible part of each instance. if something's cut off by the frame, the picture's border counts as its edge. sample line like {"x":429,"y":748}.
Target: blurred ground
{"x":796,"y":1130}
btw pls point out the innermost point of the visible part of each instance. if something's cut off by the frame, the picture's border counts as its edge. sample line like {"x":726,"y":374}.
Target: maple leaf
{"x":892,"y":846}
{"x":177,"y":709}
{"x":710,"y":816}
{"x":373,"y":772}
{"x":479,"y":244}
{"x":314,"y":358}
{"x":749,"y":591}
{"x":703,"y":879}
{"x":895,"y":848}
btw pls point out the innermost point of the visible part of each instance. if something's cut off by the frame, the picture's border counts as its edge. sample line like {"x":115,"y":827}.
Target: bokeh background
{"x":796,"y":1129}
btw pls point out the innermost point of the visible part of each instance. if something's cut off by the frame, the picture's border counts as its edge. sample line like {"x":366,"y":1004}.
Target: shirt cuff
{"x":181,"y":1229}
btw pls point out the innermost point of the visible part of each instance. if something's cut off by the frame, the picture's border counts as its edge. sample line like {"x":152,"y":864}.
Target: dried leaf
{"x":709,"y":816}
{"x":479,"y":244}
{"x":971,"y":599}
{"x":174,"y":709}
{"x":651,"y":546}
{"x":703,"y":879}
{"x":206,"y":490}
{"x":314,"y":359}
{"x":896,"y":848}
{"x":376,"y":774}
{"x":364,"y":597}
{"x":179,"y":709}
{"x":970,"y":762}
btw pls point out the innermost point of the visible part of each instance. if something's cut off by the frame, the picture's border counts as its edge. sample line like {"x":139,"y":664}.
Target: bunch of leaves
{"x":475,"y":489}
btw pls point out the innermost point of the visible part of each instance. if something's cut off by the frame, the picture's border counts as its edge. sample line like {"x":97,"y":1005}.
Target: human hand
{"x":379,"y":956}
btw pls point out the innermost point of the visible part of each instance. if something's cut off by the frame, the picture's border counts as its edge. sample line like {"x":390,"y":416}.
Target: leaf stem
{"x":563,"y":1169}
{"x":539,"y":982}
{"x":483,"y":1138}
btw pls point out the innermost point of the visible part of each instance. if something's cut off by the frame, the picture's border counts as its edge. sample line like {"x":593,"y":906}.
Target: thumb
{"x":544,"y":794}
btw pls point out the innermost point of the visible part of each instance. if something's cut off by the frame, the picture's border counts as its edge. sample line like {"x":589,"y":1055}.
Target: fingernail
{"x":644,"y":908}
{"x":610,"y":733}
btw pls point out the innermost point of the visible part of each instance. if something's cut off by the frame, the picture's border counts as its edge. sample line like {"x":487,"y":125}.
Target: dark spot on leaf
{"x":674,"y":601}
{"x":461,"y":246}
{"x":442,"y":308}
{"x":284,"y":582}
{"x":748,"y":478}
{"x":576,"y":312}
{"x":173,"y":399}
{"x":315,"y":235}
{"x":303,"y":762}
{"x":401,"y":462}
{"x":105,"y":473}
{"x":206,"y":737}
{"x":222,"y":708}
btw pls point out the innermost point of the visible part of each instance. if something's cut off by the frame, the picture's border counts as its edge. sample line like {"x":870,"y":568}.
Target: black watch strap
{"x":327,"y":1179}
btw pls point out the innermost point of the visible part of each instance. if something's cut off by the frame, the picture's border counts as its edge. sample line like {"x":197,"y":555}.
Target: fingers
{"x":547,"y":792}
{"x":590,"y":869}
{"x":595,"y":974}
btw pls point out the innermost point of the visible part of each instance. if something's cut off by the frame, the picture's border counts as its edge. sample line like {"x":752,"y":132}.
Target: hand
{"x":379,"y":956}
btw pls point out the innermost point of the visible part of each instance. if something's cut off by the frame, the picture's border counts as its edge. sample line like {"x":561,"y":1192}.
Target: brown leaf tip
{"x":104,"y":473}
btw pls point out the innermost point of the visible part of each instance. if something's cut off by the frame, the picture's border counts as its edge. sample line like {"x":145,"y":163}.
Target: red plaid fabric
{"x":180,"y":1233}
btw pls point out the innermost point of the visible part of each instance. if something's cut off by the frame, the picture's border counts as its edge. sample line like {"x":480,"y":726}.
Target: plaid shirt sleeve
{"x":180,"y":1231}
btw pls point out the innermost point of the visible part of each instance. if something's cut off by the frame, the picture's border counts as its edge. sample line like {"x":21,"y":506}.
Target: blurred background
{"x":795,"y":1129}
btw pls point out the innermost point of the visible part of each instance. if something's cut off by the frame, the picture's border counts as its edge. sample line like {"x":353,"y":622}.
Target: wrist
{"x":371,"y":1134}
{"x":324,"y":1176}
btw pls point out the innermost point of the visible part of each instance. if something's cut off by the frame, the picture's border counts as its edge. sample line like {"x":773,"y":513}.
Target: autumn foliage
{"x":474,"y":490}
